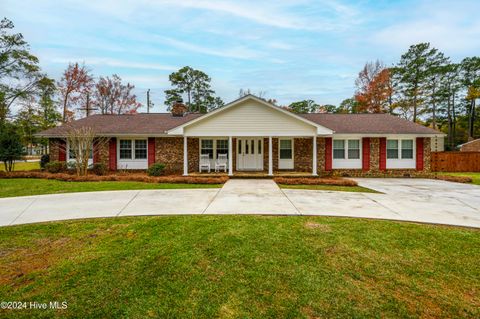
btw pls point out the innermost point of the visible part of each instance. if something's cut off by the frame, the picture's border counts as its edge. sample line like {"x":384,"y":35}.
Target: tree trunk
{"x":454,"y":120}
{"x":449,"y":118}
{"x":471,"y":122}
{"x":434,"y":108}
{"x":65,"y":108}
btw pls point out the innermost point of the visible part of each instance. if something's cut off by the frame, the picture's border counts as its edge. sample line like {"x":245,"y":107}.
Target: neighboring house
{"x":472,"y":146}
{"x":257,"y":136}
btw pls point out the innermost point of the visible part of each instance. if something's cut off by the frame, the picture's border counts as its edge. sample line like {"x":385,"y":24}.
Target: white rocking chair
{"x":204,"y":162}
{"x":221,"y":162}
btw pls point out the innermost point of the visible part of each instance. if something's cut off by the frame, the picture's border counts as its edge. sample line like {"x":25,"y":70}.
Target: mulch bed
{"x":128,"y":177}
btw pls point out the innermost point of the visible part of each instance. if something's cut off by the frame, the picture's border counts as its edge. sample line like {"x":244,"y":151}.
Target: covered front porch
{"x":259,"y":155}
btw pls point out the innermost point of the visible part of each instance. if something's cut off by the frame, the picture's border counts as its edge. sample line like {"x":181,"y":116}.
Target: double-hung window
{"x":125,"y":149}
{"x":133,"y":149}
{"x":140,"y":149}
{"x":353,"y":149}
{"x":286,"y":151}
{"x":346,"y":149}
{"x":392,"y":149}
{"x":222,"y":147}
{"x":407,"y":149}
{"x":72,"y":156}
{"x":207,"y":148}
{"x":400,"y":149}
{"x":339,"y":149}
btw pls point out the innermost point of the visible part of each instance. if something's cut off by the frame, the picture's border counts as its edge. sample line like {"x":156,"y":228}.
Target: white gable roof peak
{"x":321,"y":130}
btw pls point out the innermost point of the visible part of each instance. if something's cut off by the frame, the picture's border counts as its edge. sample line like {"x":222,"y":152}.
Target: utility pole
{"x":148,"y":101}
{"x":87,"y":107}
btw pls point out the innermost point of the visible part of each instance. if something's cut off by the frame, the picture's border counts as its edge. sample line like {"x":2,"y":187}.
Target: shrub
{"x":136,"y":177}
{"x":55,"y":167}
{"x":44,"y":160}
{"x":99,"y":169}
{"x":157,"y":169}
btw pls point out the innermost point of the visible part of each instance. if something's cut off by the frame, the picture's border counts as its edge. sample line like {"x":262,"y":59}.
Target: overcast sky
{"x":292,"y":49}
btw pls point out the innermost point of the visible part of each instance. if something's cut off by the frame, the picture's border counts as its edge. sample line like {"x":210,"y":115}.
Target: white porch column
{"x":270,"y":157}
{"x":314,"y":164}
{"x":230,"y":156}
{"x":185,"y":156}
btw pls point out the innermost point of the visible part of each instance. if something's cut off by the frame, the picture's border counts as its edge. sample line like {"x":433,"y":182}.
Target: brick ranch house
{"x":258,"y":136}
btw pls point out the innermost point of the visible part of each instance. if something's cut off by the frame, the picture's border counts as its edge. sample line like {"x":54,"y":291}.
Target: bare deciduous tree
{"x":80,"y":143}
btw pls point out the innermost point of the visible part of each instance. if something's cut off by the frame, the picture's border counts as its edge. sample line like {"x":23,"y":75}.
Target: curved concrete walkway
{"x":419,"y":200}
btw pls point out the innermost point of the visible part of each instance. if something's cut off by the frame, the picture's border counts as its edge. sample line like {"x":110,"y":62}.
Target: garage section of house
{"x":252,"y":135}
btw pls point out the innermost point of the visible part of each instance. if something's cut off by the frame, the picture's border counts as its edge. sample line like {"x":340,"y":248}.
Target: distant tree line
{"x":425,"y":87}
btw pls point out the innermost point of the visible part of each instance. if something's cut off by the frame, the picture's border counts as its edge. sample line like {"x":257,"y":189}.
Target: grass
{"x":30,"y":186}
{"x":241,"y":267}
{"x":358,"y":189}
{"x":22,"y":166}
{"x":474,"y":175}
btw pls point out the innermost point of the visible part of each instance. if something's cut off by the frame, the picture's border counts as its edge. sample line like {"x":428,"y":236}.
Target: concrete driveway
{"x":420,"y":200}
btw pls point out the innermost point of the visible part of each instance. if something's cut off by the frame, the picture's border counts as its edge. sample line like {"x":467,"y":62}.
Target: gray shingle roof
{"x":368,"y":124}
{"x":141,"y":124}
{"x":159,"y":123}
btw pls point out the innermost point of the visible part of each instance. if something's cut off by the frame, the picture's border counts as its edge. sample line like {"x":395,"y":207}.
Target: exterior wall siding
{"x":253,"y":118}
{"x":169,"y":151}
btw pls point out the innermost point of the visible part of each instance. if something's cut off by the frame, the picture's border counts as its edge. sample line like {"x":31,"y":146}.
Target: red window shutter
{"x":62,"y":149}
{"x":112,"y":154}
{"x":151,"y":151}
{"x":383,"y":154}
{"x":328,"y":153}
{"x":366,"y":153}
{"x":419,"y":153}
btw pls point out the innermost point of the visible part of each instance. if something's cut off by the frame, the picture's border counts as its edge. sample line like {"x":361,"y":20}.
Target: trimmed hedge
{"x":315,"y":181}
{"x":120,"y":178}
{"x":55,"y":167}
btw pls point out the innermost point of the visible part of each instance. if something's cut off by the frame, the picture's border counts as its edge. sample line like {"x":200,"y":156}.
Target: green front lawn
{"x":22,"y":166}
{"x":358,"y":189}
{"x":31,"y":186}
{"x":474,"y":175}
{"x":241,"y":267}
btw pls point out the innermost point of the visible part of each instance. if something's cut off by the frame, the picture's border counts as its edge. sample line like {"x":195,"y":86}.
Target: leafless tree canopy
{"x":80,"y":143}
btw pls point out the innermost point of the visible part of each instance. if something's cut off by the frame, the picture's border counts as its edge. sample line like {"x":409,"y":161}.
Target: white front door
{"x":250,"y":154}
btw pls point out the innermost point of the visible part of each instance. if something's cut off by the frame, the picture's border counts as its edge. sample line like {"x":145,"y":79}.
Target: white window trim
{"x":346,"y":162}
{"x":402,"y":163}
{"x":73,"y":160}
{"x":132,"y":159}
{"x":286,"y":163}
{"x":214,"y":146}
{"x":131,"y":163}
